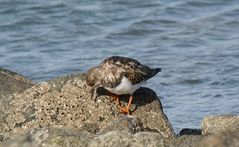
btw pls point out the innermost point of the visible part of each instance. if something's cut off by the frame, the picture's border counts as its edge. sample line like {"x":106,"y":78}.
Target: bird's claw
{"x":125,"y":110}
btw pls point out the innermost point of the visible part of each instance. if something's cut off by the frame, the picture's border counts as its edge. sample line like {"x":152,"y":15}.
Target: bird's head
{"x":92,"y":77}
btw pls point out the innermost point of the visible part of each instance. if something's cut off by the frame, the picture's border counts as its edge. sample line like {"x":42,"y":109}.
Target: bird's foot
{"x":125,"y":110}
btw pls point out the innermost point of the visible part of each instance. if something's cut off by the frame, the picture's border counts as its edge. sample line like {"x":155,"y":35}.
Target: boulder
{"x":49,"y":137}
{"x":223,"y":139}
{"x":126,"y":139}
{"x":66,"y":103}
{"x":10,"y":83}
{"x":217,"y":124}
{"x":129,"y":124}
{"x":187,"y":141}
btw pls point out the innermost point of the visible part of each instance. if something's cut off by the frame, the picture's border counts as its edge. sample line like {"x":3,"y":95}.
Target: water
{"x":196,"y":43}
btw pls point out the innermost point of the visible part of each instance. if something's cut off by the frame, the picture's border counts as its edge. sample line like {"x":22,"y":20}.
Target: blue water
{"x":195,"y":42}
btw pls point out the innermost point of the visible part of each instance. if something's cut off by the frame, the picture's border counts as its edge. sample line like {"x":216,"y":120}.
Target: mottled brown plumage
{"x":111,"y":71}
{"x":119,"y":75}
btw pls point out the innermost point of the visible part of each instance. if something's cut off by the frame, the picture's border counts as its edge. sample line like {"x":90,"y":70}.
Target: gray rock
{"x":187,"y":141}
{"x":126,"y":139}
{"x":126,"y":123}
{"x":217,"y":124}
{"x":223,"y":139}
{"x":21,"y":141}
{"x":66,"y":103}
{"x":50,"y":137}
{"x":10,"y":83}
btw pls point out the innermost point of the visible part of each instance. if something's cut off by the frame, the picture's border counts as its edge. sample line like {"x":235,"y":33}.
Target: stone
{"x":187,"y":141}
{"x":217,"y":124}
{"x":189,"y":131}
{"x":223,"y":139}
{"x":66,"y":103}
{"x":10,"y":83}
{"x":126,"y":139}
{"x":126,"y":123}
{"x":50,"y":137}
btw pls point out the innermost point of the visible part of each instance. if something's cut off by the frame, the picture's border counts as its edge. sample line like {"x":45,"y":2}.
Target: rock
{"x":223,"y":139}
{"x":188,"y":131}
{"x":126,"y":123}
{"x":217,"y":124}
{"x":48,"y":137}
{"x":21,"y":141}
{"x":66,"y":103}
{"x":10,"y":83}
{"x":126,"y":139}
{"x":187,"y":141}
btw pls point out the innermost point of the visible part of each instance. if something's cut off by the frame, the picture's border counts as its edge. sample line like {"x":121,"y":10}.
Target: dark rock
{"x":66,"y":103}
{"x":217,"y":124}
{"x":188,"y":131}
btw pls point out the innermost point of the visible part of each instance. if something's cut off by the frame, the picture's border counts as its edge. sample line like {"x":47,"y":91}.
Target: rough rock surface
{"x":10,"y":83}
{"x":50,"y":137}
{"x":129,"y":124}
{"x":223,"y":139}
{"x":217,"y":124}
{"x":187,"y":141}
{"x":125,"y":139}
{"x":66,"y":103}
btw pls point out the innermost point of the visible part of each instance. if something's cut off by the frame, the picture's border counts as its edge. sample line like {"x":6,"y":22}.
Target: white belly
{"x":125,"y":87}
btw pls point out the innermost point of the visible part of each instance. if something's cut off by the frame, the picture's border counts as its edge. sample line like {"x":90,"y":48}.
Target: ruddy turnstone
{"x":119,"y":75}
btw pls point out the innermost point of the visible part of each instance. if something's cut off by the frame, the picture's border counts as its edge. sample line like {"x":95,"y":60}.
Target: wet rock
{"x":223,"y":139}
{"x":217,"y":124}
{"x":49,"y":137}
{"x":126,"y":139}
{"x":10,"y":83}
{"x":188,"y":131}
{"x":66,"y":103}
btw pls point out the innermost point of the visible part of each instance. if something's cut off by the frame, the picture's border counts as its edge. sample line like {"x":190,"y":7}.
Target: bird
{"x":119,"y":76}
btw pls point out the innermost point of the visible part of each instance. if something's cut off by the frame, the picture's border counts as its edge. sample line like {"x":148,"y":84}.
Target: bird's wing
{"x":111,"y":77}
{"x":136,"y":72}
{"x":117,"y":67}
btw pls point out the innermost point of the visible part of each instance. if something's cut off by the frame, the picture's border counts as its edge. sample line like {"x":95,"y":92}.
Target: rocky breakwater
{"x":63,"y":108}
{"x":62,"y":113}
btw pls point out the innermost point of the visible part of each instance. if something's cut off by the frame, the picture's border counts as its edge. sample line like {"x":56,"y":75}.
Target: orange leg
{"x":126,"y":109}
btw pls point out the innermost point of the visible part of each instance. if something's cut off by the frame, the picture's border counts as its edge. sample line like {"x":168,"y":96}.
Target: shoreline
{"x":60,"y":111}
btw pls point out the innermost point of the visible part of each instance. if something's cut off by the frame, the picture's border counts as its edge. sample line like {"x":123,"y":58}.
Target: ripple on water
{"x":194,"y":42}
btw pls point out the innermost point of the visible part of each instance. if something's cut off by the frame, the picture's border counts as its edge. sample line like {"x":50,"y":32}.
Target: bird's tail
{"x":155,"y":71}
